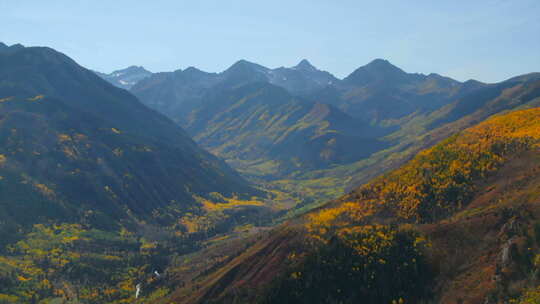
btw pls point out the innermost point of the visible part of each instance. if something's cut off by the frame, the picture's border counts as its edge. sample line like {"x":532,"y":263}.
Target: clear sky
{"x":488,"y":40}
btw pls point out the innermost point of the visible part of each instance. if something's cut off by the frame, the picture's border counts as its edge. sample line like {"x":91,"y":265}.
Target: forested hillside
{"x":457,"y":223}
{"x":317,"y":136}
{"x":97,"y":189}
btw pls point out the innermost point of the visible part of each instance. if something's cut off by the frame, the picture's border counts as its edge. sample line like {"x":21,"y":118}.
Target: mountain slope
{"x":173,"y":93}
{"x":126,"y":78}
{"x":241,"y":116}
{"x":383,"y":93}
{"x":414,"y":110}
{"x":261,"y":124}
{"x":424,"y":130}
{"x":71,"y":140}
{"x":98,"y":192}
{"x":459,"y":221}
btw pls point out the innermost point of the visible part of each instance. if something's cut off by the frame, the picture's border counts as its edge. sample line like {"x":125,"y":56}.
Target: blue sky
{"x":486,"y":40}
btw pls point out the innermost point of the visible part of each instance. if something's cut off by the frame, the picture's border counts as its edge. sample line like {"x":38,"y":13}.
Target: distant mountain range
{"x":377,"y":91}
{"x":304,"y":123}
{"x":126,"y":78}
{"x":257,"y":118}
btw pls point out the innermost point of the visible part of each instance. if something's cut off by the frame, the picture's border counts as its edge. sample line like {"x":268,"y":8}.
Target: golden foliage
{"x":531,"y":296}
{"x":433,"y":185}
{"x":44,"y":189}
{"x":36,"y":98}
{"x":64,"y":137}
{"x":194,"y":223}
{"x":229,"y":204}
{"x":327,"y":220}
{"x":368,"y":240}
{"x":70,"y":152}
{"x":4,"y":298}
{"x":442,"y":179}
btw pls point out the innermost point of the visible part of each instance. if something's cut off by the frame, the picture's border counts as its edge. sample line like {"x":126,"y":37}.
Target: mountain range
{"x":126,"y":78}
{"x":456,"y":224}
{"x":301,"y":129}
{"x":259,"y":185}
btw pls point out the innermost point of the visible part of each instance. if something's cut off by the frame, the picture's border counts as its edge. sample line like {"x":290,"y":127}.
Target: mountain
{"x":394,"y":113}
{"x":245,"y":116}
{"x":126,"y":78}
{"x":302,"y":78}
{"x":106,"y":201}
{"x":8,"y":49}
{"x":425,"y":129}
{"x":72,"y":144}
{"x":382,"y":93}
{"x":99,"y":192}
{"x":261,"y":125}
{"x":456,"y":224}
{"x":377,"y":92}
{"x":378,"y":71}
{"x":174,"y":93}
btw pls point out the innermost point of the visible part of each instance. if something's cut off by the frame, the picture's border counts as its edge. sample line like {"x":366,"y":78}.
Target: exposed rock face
{"x":506,"y":252}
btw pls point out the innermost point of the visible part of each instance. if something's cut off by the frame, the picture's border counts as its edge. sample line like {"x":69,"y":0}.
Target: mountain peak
{"x":241,"y":62}
{"x":245,"y":63}
{"x":244,"y":66}
{"x":136,"y":68}
{"x":132,"y":69}
{"x":126,"y":78}
{"x":6,"y":48}
{"x":305,"y":65}
{"x":380,"y":63}
{"x":378,"y":70}
{"x":192,"y":69}
{"x":17,"y":46}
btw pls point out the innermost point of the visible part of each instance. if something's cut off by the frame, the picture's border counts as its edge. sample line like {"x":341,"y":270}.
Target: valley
{"x":295,"y":129}
{"x":260,"y":185}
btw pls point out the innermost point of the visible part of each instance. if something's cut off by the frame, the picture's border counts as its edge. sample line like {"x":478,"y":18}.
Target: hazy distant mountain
{"x":262,"y":125}
{"x":8,"y":49}
{"x":401,"y":107}
{"x":249,"y":115}
{"x":71,"y":143}
{"x":126,"y":78}
{"x":299,"y":79}
{"x":174,"y":93}
{"x":380,"y":91}
{"x":376,"y":92}
{"x":302,"y":78}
